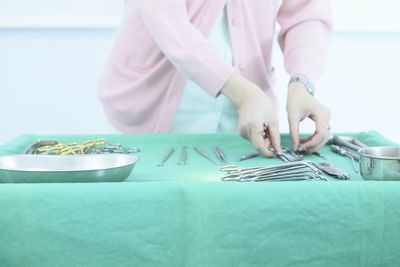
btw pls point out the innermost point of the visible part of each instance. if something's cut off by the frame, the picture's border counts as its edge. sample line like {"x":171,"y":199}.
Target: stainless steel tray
{"x":66,"y":169}
{"x":380,"y":163}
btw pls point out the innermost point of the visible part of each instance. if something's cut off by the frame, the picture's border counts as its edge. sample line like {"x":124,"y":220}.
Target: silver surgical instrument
{"x":302,"y":150}
{"x":183,"y":157}
{"x":220,"y":154}
{"x":344,"y":152}
{"x":353,"y":144}
{"x":328,"y":168}
{"x":289,"y":171}
{"x":204,"y":155}
{"x":166,"y":157}
{"x":332,"y":170}
{"x":249,"y":156}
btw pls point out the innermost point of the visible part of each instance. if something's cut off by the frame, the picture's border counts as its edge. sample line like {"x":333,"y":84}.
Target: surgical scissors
{"x":298,"y":170}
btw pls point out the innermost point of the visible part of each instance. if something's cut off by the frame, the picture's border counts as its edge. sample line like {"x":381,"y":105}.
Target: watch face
{"x":310,"y":88}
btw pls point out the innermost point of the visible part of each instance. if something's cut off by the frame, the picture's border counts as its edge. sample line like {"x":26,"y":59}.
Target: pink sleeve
{"x":185,"y":46}
{"x":306,"y":28}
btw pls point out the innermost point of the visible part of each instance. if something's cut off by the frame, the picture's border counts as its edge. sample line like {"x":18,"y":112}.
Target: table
{"x":183,"y":216}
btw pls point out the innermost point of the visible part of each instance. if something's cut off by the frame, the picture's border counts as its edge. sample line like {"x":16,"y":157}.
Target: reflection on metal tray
{"x":65,"y":169}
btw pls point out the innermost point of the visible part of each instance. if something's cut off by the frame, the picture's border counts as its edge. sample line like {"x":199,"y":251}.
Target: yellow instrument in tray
{"x":92,"y":146}
{"x":73,"y":148}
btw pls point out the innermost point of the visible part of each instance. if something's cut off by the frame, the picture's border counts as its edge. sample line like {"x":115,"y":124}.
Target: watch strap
{"x":307,"y":83}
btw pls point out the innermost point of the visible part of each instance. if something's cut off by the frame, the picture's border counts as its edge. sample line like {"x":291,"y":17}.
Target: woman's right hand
{"x":256,"y":112}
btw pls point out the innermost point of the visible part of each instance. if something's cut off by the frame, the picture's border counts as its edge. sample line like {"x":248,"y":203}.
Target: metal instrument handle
{"x":341,"y":142}
{"x":358,"y":143}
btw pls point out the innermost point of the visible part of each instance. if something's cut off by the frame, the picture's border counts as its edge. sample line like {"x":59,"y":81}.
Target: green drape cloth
{"x":183,"y":216}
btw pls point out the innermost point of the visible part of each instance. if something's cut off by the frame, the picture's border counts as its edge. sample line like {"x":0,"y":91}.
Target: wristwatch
{"x":301,"y":79}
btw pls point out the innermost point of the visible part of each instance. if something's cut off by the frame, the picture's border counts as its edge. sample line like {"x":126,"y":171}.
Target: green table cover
{"x":183,"y":216}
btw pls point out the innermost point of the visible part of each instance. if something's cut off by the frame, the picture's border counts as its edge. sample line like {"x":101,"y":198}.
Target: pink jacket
{"x":162,"y":43}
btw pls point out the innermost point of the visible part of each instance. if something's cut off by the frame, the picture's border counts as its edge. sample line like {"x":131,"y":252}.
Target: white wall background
{"x":52,"y":53}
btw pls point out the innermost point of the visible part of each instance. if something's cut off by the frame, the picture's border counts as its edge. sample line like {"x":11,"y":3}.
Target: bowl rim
{"x":361,"y":150}
{"x":132,"y":161}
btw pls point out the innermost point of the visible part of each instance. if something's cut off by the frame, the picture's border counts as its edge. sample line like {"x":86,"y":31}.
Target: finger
{"x":244,"y":132}
{"x":304,"y":140}
{"x":321,"y":135}
{"x":260,"y":143}
{"x":294,"y":131}
{"x":316,"y":143}
{"x":275,"y":137}
{"x":326,"y":135}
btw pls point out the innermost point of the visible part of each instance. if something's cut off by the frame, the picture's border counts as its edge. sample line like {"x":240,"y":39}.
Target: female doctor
{"x":205,"y":66}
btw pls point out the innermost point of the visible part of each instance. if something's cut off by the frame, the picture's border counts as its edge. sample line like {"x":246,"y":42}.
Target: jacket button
{"x":236,"y":22}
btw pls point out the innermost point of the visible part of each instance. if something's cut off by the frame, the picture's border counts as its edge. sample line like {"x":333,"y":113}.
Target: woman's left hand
{"x":300,"y":105}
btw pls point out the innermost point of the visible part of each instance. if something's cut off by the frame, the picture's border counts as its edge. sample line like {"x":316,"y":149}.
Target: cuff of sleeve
{"x":212,"y":77}
{"x":306,"y":62}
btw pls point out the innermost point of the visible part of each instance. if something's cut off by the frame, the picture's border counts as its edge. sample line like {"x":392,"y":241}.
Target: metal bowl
{"x":65,"y":169}
{"x":380,"y":163}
